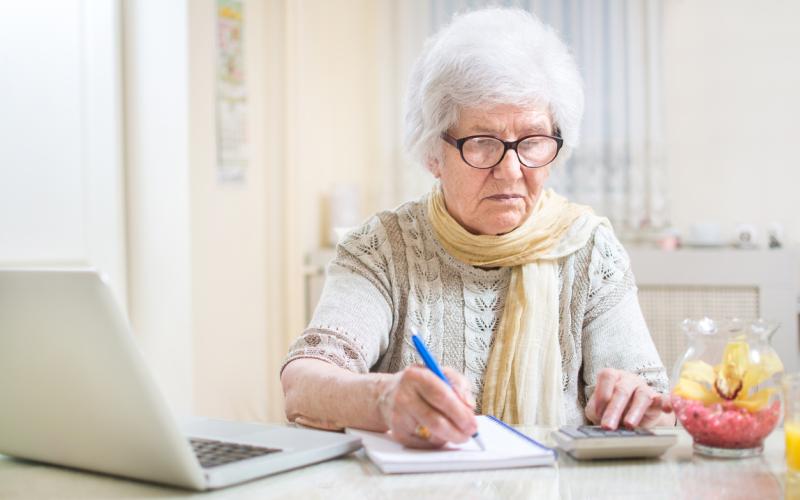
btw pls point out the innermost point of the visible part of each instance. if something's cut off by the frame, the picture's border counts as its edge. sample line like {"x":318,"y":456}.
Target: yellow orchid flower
{"x":732,"y":380}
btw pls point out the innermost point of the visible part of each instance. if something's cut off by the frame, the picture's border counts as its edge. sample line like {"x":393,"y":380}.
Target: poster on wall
{"x":231,"y":105}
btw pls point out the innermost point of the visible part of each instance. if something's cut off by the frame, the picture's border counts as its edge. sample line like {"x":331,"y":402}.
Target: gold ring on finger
{"x":422,"y":432}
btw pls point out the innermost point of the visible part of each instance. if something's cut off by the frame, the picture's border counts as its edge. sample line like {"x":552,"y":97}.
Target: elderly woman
{"x":528,"y":299}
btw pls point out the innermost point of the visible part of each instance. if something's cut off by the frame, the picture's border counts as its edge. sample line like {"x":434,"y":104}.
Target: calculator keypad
{"x":594,"y":431}
{"x":589,"y":442}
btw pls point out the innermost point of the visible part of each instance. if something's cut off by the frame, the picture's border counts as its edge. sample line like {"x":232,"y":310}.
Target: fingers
{"x":624,"y":398}
{"x":406,"y":435}
{"x":603,"y":392}
{"x":643,"y":399}
{"x":461,"y":385}
{"x":657,"y":413}
{"x":413,"y":441}
{"x":444,"y":400}
{"x":666,"y":404}
{"x":439,"y":425}
{"x":623,"y":392}
{"x":421,"y":398}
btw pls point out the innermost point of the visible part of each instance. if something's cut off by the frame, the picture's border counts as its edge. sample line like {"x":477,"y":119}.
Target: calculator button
{"x":592,"y":431}
{"x":573,"y":432}
{"x":596,"y":431}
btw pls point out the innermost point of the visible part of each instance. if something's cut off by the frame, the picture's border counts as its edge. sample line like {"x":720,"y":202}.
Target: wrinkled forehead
{"x":504,"y":118}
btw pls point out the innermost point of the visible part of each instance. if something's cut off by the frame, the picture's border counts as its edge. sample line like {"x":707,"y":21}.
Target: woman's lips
{"x":504,"y":197}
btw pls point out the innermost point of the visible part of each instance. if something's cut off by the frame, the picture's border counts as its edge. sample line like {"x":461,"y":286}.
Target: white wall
{"x":158,"y":173}
{"x":203,"y":271}
{"x":61,"y":177}
{"x":232,"y":319}
{"x":332,"y":123}
{"x":732,"y":104}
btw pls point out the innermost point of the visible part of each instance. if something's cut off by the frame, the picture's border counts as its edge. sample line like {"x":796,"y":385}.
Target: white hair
{"x":486,"y":57}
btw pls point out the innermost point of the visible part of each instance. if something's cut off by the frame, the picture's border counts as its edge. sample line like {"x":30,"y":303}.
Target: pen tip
{"x":478,"y":440}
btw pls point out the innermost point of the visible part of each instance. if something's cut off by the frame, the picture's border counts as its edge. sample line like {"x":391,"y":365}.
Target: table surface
{"x":677,"y":474}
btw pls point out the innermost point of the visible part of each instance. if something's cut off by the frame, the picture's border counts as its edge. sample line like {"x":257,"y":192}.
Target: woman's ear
{"x":434,"y":166}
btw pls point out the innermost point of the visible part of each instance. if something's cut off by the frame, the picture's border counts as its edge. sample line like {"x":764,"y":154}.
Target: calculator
{"x":589,"y":442}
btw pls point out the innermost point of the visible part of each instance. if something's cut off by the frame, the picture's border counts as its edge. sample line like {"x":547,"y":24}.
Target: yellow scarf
{"x":522,"y":383}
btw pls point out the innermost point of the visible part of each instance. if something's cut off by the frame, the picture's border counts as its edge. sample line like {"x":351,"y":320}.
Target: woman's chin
{"x":502,"y":225}
{"x":501,"y":218}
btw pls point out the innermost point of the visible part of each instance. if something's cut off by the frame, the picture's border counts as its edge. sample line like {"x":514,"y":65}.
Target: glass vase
{"x":726,"y":388}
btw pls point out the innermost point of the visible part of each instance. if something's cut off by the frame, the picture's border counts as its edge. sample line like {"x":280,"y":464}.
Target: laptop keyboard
{"x":213,"y":453}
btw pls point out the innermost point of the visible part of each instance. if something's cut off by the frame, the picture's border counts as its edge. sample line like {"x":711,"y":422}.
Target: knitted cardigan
{"x":392,"y":273}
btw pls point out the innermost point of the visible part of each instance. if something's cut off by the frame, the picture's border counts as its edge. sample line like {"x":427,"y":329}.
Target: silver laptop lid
{"x":74,"y":388}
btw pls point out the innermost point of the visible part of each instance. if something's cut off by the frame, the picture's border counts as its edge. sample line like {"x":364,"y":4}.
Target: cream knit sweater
{"x":392,"y":273}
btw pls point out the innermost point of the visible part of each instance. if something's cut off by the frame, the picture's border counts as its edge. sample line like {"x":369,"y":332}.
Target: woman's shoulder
{"x":602,"y":269}
{"x":382,"y":235}
{"x":602,"y":261}
{"x":608,"y":254}
{"x":383,"y":225}
{"x":603,"y":243}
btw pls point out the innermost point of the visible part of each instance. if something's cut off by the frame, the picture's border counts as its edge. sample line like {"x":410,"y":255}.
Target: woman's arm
{"x":327,"y":380}
{"x":349,"y":331}
{"x":626,"y":383}
{"x":320,"y":394}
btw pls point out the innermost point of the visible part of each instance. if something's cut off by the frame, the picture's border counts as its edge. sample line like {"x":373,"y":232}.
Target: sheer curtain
{"x":618,"y":166}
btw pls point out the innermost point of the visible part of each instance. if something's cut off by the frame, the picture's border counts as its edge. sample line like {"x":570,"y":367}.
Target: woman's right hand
{"x":416,"y":397}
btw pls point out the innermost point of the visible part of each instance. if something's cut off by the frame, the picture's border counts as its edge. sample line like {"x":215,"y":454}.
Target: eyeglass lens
{"x":485,"y":152}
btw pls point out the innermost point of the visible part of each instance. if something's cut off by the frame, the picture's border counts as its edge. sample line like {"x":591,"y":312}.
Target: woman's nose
{"x":509,"y":167}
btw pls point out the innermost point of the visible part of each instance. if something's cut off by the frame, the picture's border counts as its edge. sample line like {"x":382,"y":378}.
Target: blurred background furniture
{"x":720,"y":283}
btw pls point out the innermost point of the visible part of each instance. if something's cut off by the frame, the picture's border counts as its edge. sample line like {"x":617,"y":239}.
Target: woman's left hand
{"x":625,"y":398}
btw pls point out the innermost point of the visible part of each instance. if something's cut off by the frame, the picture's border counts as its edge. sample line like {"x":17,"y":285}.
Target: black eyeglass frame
{"x":459,"y":144}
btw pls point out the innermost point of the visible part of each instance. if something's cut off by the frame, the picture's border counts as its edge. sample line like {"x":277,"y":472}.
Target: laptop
{"x":75,"y":391}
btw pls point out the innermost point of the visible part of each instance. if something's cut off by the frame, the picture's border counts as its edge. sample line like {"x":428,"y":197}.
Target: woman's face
{"x":499,"y":199}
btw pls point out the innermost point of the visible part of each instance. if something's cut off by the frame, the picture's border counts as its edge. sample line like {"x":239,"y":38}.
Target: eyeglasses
{"x":486,"y":151}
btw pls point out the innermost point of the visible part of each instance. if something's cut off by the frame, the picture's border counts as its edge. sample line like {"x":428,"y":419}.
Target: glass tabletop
{"x":679,"y":473}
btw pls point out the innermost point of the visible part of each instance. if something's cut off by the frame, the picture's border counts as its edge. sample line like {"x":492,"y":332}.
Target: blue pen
{"x":432,"y":366}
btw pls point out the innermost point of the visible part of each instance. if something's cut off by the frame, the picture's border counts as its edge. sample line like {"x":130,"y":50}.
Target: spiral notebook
{"x":506,"y":447}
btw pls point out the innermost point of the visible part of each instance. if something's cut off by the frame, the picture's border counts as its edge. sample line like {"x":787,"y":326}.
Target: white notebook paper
{"x":505,"y":448}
